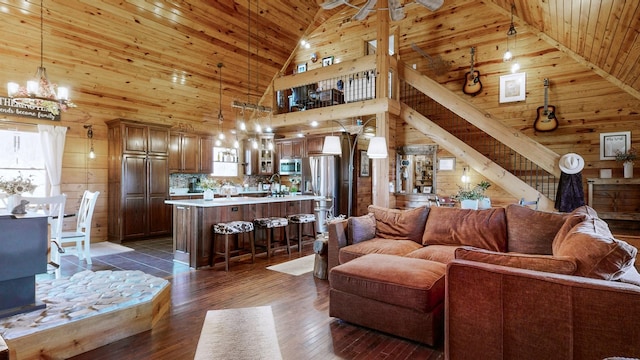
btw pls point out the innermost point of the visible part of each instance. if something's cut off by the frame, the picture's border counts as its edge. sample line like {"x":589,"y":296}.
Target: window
{"x":22,"y":154}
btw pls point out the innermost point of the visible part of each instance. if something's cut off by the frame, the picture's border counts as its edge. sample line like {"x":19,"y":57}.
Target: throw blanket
{"x":570,"y":195}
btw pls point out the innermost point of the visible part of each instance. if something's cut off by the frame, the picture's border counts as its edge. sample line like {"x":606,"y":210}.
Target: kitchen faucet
{"x":272,"y":176}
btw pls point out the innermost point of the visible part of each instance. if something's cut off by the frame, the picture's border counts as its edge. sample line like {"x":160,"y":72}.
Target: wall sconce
{"x":92,"y":154}
{"x":465,"y":178}
{"x":511,"y":33}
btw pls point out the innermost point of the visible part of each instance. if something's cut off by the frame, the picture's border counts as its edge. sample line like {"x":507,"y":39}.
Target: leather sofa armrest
{"x":337,"y":240}
{"x":504,"y":312}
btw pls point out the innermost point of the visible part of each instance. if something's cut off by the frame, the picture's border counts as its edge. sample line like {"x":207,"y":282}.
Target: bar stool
{"x":299,"y":220}
{"x":269,"y":224}
{"x":231,"y":228}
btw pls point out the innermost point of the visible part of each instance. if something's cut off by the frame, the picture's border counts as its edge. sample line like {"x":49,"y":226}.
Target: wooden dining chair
{"x":82,"y":234}
{"x":53,"y":207}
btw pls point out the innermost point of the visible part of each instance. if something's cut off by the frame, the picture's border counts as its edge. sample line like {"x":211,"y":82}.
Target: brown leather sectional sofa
{"x":517,"y":284}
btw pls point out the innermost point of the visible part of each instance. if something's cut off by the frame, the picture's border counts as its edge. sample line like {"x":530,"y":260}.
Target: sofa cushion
{"x":377,"y":246}
{"x":410,"y":283}
{"x":546,"y":263}
{"x":361,"y":228}
{"x":485,"y":229}
{"x":530,"y":231}
{"x":440,"y":253}
{"x":598,"y":254}
{"x":400,"y":224}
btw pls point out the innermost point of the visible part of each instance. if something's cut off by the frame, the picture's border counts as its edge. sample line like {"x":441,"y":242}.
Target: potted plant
{"x":627,"y":158}
{"x":470,"y":199}
{"x":209,"y":184}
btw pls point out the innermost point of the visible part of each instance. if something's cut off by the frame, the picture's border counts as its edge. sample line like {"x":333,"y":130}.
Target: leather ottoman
{"x":396,"y":295}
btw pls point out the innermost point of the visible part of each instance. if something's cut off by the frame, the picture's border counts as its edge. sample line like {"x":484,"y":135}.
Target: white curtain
{"x":52,"y":139}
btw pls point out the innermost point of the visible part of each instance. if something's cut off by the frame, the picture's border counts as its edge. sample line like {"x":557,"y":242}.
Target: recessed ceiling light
{"x":314,"y":123}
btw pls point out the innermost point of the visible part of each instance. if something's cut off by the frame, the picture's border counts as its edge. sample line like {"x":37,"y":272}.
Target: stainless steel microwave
{"x":290,"y":166}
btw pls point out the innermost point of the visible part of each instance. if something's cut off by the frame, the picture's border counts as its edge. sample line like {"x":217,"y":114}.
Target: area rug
{"x":102,"y":248}
{"x":244,"y":333}
{"x":296,"y":267}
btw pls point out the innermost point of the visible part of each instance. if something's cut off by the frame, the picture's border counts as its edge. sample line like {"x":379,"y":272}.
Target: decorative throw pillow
{"x":631,"y":276}
{"x":485,"y":229}
{"x":361,"y":228}
{"x":546,"y":263}
{"x":400,"y":224}
{"x":530,"y":231}
{"x":569,"y":223}
{"x":598,"y":254}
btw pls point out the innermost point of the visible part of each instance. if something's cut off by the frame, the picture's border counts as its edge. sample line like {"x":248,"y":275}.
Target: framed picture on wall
{"x":365,"y":165}
{"x":447,"y":164}
{"x":512,"y":87}
{"x":612,"y":142}
{"x":302,"y":68}
{"x":327,"y":61}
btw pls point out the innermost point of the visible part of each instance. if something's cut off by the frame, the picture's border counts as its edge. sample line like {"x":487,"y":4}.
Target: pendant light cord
{"x":41,"y":34}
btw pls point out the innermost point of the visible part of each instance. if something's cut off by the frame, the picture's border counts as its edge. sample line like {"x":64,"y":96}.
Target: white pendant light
{"x":377,"y":148}
{"x":332,"y":145}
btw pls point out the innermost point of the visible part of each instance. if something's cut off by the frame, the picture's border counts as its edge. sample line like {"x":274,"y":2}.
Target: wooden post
{"x":380,"y":167}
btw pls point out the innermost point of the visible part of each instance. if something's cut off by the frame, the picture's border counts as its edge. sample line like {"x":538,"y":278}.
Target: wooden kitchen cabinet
{"x":138,"y":180}
{"x":184,"y":152}
{"x":314,"y":145}
{"x":290,"y":148}
{"x":205,"y":165}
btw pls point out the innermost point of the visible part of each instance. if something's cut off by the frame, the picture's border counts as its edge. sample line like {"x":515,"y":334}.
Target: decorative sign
{"x":11,"y":107}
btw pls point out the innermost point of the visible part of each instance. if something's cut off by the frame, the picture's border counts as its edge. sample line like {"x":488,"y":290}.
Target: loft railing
{"x":517,"y":164}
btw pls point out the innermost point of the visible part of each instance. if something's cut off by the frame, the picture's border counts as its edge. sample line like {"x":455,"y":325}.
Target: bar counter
{"x":193,"y":220}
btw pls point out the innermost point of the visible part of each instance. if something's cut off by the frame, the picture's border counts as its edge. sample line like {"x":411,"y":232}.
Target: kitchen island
{"x":193,"y":219}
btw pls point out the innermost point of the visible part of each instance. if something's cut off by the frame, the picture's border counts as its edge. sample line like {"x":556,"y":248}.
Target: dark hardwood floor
{"x":300,"y":307}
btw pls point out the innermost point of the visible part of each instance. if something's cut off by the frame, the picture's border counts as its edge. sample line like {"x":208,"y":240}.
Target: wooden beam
{"x":336,"y":112}
{"x":380,"y":167}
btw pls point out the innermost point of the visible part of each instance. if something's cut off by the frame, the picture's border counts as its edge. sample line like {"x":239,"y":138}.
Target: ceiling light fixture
{"x":40,"y":92}
{"x":511,"y":33}
{"x":220,"y":117}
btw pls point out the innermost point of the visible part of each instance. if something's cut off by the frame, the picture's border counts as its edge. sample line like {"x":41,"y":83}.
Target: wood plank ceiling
{"x":156,"y":60}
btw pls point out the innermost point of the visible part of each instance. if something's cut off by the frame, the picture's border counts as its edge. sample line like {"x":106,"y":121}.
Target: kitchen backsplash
{"x":182,"y":180}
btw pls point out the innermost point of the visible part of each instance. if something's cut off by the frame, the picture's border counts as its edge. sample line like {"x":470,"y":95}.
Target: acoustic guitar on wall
{"x":472,"y":85}
{"x":546,"y":120}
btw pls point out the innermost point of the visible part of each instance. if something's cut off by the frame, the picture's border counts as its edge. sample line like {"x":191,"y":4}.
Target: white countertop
{"x":241,"y":200}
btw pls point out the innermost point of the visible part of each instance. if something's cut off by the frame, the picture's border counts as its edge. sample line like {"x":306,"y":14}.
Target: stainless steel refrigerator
{"x":321,"y":176}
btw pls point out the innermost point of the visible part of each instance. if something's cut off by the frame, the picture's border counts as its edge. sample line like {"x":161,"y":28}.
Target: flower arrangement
{"x":209,"y":183}
{"x":18,"y":185}
{"x":476,"y":193}
{"x":630,"y":155}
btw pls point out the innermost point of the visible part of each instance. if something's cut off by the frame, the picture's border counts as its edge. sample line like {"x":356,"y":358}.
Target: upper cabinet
{"x":314,"y":145}
{"x":183,"y":152}
{"x":143,"y":139}
{"x":291,"y":148}
{"x":205,"y":165}
{"x":266,"y":165}
{"x":190,"y":153}
{"x":259,"y":156}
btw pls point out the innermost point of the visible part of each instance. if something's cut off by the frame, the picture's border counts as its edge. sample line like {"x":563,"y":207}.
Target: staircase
{"x":490,"y":148}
